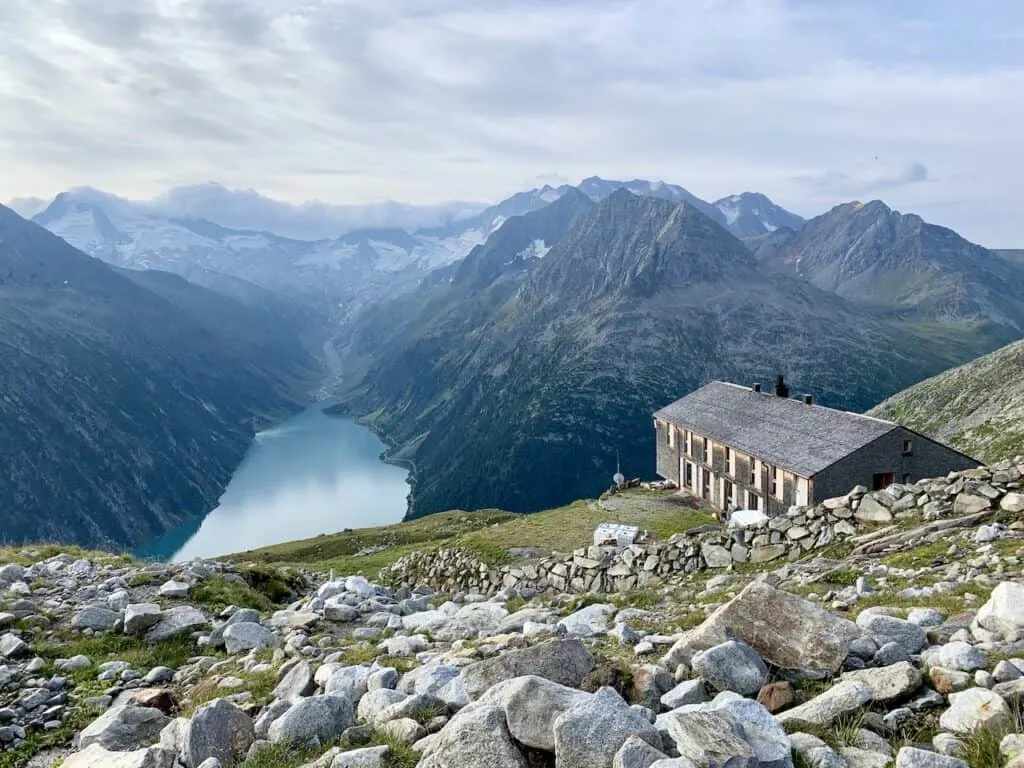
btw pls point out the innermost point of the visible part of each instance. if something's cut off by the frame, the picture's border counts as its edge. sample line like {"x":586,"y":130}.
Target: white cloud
{"x":352,"y":100}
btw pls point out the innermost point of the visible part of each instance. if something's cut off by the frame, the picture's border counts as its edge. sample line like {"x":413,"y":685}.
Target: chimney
{"x":808,"y":400}
{"x":781,"y":390}
{"x":756,"y":387}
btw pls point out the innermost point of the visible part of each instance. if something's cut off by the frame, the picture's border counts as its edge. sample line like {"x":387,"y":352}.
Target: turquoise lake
{"x":308,"y":475}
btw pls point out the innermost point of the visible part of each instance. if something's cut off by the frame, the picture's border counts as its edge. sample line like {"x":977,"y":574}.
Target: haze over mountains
{"x":511,"y":350}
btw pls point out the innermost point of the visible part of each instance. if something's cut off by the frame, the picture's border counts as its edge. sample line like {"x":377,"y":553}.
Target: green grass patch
{"x":260,"y":684}
{"x":285,"y":755}
{"x":947,"y":603}
{"x":340,"y":551}
{"x":922,"y":556}
{"x":219,"y":592}
{"x":488,"y":533}
{"x":30,"y":553}
{"x":140,"y":654}
{"x":981,"y":748}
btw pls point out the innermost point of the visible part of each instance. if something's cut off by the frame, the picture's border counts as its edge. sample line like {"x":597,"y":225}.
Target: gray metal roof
{"x":804,"y":439}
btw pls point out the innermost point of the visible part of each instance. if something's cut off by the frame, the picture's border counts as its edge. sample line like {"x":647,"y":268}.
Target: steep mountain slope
{"x":641,"y":301}
{"x":875,"y":256}
{"x":750,"y":214}
{"x":127,"y":399}
{"x":977,"y":408}
{"x":456,"y":301}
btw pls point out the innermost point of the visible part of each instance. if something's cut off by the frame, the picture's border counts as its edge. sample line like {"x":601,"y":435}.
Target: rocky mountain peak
{"x":635,"y":244}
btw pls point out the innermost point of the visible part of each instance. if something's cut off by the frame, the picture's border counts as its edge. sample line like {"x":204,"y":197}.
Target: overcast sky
{"x":813,"y":102}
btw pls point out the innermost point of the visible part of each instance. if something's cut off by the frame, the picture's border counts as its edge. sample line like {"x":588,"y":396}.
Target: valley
{"x":509,"y":355}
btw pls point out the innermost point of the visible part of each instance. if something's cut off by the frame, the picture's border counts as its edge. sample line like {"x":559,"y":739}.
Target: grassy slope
{"x":490,"y":533}
{"x":977,"y":408}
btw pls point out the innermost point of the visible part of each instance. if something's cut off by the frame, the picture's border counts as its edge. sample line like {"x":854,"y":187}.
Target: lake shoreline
{"x":304,"y":476}
{"x":390,"y":455}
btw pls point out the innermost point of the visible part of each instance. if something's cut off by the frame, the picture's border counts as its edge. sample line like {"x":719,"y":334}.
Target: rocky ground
{"x":912,"y":655}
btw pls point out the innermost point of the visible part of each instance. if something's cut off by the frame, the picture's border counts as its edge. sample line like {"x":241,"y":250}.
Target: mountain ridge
{"x":638,"y":302}
{"x":874,"y":255}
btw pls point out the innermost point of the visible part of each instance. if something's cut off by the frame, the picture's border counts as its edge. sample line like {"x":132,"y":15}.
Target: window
{"x":728,"y":497}
{"x":709,"y":449}
{"x":728,"y":460}
{"x":802,"y":492}
{"x":671,"y":436}
{"x":689,"y":475}
{"x":908,"y":447}
{"x":882,"y":480}
{"x":753,"y":500}
{"x":755,"y":475}
{"x":689,"y":443}
{"x":773,"y":477}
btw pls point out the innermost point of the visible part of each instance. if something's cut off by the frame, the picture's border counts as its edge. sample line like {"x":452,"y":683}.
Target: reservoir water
{"x":308,"y":475}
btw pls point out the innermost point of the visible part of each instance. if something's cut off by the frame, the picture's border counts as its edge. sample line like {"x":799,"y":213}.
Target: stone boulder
{"x":182,"y":619}
{"x":95,"y":618}
{"x":974,"y":709}
{"x":246,"y":636}
{"x":11,"y":573}
{"x":125,"y":728}
{"x":841,"y":699}
{"x":870,"y":510}
{"x":784,"y":630}
{"x":1004,"y":611}
{"x":174,"y":589}
{"x":637,"y":753}
{"x":912,"y":757}
{"x":138,"y":617}
{"x":589,"y":621}
{"x":756,"y":726}
{"x":374,"y":703}
{"x":366,"y":757}
{"x":731,"y":666}
{"x":296,"y":682}
{"x":910,"y":637}
{"x":531,"y":705}
{"x":591,"y":732}
{"x":316,"y":719}
{"x":477,"y":737}
{"x":219,"y":730}
{"x":889,"y":684}
{"x":707,"y":739}
{"x":95,"y":756}
{"x":13,"y":647}
{"x":350,"y":682}
{"x":562,"y":661}
{"x":441,"y":680}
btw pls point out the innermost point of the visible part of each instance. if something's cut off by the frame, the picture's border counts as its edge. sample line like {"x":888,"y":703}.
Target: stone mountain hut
{"x":740,"y":448}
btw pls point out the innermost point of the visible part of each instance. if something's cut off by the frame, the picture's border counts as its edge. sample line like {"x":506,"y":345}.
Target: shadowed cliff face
{"x":519,"y":397}
{"x":127,"y":398}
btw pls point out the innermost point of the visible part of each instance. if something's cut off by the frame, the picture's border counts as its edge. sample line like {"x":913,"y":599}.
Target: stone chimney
{"x":781,"y":389}
{"x":756,"y":387}
{"x":808,"y":400}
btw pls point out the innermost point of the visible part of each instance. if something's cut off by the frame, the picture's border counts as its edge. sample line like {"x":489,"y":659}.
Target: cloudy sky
{"x":918,"y":102}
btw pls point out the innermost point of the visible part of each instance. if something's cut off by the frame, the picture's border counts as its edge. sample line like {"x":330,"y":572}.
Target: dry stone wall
{"x":790,"y":536}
